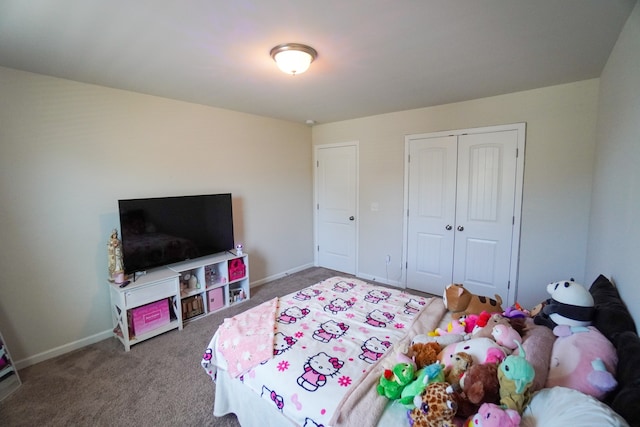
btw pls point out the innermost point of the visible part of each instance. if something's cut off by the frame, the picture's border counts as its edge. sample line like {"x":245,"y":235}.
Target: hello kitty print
{"x":325,"y":338}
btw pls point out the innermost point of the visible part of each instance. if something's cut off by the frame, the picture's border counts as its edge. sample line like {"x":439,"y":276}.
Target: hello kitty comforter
{"x":325,"y":339}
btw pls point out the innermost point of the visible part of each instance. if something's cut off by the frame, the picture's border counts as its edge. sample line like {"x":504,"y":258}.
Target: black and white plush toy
{"x":570,"y":304}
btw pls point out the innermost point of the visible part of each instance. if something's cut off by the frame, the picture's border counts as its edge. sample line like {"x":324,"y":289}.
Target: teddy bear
{"x":436,"y":407}
{"x":424,"y":354}
{"x":570,"y":304}
{"x":461,"y":302}
{"x":480,"y":384}
{"x":460,"y":362}
{"x":482,"y":350}
{"x":491,"y":415}
{"x":582,"y":359}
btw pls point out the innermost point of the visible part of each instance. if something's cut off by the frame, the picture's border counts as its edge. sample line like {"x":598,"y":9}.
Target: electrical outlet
{"x":388,"y":259}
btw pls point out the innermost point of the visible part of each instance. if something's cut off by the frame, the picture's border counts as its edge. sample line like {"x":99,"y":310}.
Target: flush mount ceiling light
{"x":293,"y":58}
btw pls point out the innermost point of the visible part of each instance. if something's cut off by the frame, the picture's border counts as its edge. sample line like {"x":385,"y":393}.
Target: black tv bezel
{"x":138,"y":268}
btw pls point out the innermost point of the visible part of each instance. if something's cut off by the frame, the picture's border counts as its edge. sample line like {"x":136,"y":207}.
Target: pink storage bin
{"x":215,"y":298}
{"x":237,"y":269}
{"x":148,"y":317}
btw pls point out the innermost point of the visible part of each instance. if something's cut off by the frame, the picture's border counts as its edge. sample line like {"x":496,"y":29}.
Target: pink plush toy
{"x":453,"y":327}
{"x":582,"y":359}
{"x":490,"y":415}
{"x":506,"y":336}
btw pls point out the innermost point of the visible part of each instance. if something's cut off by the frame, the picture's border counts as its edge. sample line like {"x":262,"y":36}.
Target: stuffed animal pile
{"x":485,"y":366}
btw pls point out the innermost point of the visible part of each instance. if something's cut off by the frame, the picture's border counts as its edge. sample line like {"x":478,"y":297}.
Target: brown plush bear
{"x":460,"y":363}
{"x":461,"y":302}
{"x":480,"y":384}
{"x":424,"y":354}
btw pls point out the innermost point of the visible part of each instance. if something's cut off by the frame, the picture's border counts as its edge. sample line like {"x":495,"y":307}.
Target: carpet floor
{"x":158,"y":383}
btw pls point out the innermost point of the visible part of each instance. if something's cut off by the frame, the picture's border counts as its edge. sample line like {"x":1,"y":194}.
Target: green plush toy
{"x":427,"y":375}
{"x":394,"y":380}
{"x":515,"y":375}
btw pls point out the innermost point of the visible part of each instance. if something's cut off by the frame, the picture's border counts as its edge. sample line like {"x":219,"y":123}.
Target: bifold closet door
{"x":460,"y":220}
{"x":485,"y":211}
{"x":431,"y":216}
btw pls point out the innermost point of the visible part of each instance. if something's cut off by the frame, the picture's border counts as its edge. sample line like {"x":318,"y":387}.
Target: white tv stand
{"x":213,"y":289}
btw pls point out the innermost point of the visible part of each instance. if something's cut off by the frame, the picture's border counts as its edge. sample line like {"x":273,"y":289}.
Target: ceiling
{"x":375,"y":56}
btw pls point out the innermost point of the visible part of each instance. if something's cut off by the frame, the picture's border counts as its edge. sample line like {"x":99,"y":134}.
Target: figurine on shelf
{"x":239,"y":249}
{"x":116,"y":265}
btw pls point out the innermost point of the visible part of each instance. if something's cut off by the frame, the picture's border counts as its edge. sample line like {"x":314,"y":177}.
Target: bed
{"x":314,"y":358}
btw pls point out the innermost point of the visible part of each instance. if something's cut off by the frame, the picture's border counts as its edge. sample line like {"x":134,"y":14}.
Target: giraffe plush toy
{"x":436,"y":406}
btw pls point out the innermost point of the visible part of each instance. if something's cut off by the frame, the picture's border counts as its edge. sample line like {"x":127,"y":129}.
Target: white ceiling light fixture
{"x":293,"y":58}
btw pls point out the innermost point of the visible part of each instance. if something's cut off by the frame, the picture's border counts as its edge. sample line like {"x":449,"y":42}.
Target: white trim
{"x":517,"y":208}
{"x":92,"y":339}
{"x":63,"y":349}
{"x":315,"y":198}
{"x":279,"y":275}
{"x":376,"y":279}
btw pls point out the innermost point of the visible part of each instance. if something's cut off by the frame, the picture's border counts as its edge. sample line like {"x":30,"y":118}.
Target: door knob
{"x":351,"y":218}
{"x":448,"y":227}
{"x":460,"y":228}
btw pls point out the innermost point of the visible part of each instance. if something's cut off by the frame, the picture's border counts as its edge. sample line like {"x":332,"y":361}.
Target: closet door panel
{"x":485,"y":211}
{"x":432,"y":189}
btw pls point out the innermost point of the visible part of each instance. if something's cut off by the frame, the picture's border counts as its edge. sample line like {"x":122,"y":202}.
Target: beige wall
{"x":557,"y":181}
{"x":614,"y":240}
{"x":69,"y":151}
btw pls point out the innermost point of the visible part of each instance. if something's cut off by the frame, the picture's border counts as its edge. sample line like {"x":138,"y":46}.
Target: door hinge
{"x":318,"y":206}
{"x":513,"y":220}
{"x":517,"y":152}
{"x":318,"y":248}
{"x":317,"y":163}
{"x":509,"y":284}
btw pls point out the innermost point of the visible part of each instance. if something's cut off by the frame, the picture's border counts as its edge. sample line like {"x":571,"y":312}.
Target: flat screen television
{"x":166,"y":230}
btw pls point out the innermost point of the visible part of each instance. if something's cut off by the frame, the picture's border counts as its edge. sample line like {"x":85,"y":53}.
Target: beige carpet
{"x":158,"y":383}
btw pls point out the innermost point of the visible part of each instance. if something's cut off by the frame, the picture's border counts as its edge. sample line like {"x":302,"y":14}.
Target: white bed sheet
{"x":232,"y":396}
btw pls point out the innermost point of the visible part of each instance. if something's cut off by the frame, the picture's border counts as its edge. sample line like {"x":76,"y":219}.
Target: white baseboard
{"x":66,"y":348}
{"x":280,"y":275}
{"x":371,"y":278}
{"x":58,"y":351}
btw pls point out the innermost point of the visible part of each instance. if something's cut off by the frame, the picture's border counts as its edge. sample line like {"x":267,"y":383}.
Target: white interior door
{"x":432,"y":200}
{"x":485,"y":211}
{"x":463,"y":199}
{"x":336,"y":186}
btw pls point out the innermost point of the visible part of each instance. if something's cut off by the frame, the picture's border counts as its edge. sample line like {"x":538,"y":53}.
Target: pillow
{"x":627,"y":395}
{"x":611,"y":313}
{"x":537,"y":343}
{"x":561,"y":407}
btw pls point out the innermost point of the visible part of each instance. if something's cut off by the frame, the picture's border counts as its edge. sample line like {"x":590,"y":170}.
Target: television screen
{"x":165,"y":230}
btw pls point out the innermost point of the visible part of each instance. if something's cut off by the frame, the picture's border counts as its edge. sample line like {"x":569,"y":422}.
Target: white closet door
{"x":461,"y":199}
{"x":431,"y":216}
{"x":485,"y":211}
